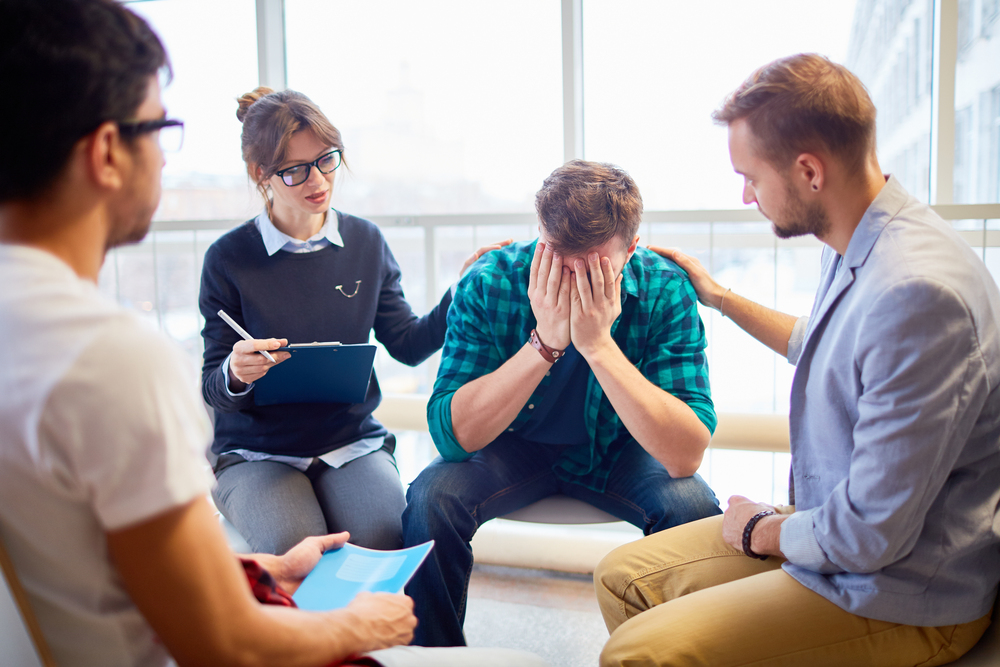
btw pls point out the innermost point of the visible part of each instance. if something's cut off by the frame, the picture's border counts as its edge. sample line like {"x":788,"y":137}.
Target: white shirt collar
{"x":275,"y":239}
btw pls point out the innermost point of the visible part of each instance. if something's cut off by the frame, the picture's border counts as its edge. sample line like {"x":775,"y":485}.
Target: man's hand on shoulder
{"x":549,"y":294}
{"x":471,"y":259}
{"x":709,"y":292}
{"x":595,"y":303}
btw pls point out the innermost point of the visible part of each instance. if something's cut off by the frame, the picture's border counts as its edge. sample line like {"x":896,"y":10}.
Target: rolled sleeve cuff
{"x":439,"y":424}
{"x":799,"y":544}
{"x":796,"y":339}
{"x":705,"y":411}
{"x":225,"y":379}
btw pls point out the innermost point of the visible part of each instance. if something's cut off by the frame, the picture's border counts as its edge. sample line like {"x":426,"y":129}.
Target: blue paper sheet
{"x":340,"y":575}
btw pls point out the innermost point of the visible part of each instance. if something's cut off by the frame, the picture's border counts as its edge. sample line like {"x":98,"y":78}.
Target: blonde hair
{"x":270,"y":119}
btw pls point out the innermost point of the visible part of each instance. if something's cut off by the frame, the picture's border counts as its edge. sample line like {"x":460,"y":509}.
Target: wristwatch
{"x":550,"y":354}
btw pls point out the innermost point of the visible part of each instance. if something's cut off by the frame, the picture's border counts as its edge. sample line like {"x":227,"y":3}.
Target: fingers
{"x":555,"y":271}
{"x":258,"y":344}
{"x":599,"y":282}
{"x":493,"y":246}
{"x":564,"y":284}
{"x":333,"y":541}
{"x":669,"y":253}
{"x":583,"y":286}
{"x":536,"y":262}
{"x":611,"y":285}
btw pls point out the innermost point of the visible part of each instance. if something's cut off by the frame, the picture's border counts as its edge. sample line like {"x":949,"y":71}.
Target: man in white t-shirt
{"x":103,"y":487}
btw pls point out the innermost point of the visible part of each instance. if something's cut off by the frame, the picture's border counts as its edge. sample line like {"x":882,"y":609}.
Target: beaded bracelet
{"x":749,"y":529}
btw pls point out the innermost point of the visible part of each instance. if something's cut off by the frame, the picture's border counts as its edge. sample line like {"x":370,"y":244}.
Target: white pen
{"x":238,"y":329}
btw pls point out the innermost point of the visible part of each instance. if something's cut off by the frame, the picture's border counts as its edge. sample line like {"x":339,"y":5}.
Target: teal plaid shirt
{"x":659,"y":331}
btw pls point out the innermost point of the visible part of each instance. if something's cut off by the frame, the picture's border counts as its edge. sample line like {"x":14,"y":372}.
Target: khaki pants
{"x":683,"y":597}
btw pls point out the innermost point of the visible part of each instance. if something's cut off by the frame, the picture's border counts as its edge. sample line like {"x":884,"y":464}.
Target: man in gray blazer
{"x":890,"y":555}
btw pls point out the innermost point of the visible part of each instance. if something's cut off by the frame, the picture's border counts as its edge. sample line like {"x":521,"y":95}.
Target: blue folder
{"x":340,"y":575}
{"x":318,"y":373}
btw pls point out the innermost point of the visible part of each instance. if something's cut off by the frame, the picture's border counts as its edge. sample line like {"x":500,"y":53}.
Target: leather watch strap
{"x":550,"y":354}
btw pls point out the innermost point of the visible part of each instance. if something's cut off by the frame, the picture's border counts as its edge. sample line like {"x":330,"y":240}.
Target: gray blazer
{"x":895,"y":424}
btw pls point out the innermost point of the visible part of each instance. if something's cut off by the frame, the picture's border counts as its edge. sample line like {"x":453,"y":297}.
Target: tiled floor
{"x":552,"y":614}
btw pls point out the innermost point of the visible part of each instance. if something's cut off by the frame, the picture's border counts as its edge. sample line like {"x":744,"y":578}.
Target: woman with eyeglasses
{"x":301,"y":272}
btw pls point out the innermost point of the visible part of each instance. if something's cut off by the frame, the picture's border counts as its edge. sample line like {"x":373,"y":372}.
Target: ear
{"x":105,"y":156}
{"x":633,"y":246}
{"x":809,"y":172}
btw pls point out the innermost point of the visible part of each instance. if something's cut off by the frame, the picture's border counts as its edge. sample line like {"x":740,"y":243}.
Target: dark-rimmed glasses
{"x":299,"y":173}
{"x":170,"y":132}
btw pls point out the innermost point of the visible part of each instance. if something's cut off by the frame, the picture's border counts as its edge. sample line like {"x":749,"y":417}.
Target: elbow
{"x":678,"y":470}
{"x":466,"y":440}
{"x":683,"y":459}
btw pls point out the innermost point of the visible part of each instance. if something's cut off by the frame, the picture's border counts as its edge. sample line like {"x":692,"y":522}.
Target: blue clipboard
{"x":318,"y":373}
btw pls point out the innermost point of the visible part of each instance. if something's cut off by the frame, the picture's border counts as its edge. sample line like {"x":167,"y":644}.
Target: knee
{"x":611,"y":578}
{"x":691,"y":499}
{"x":622,"y":649}
{"x":385,"y":534}
{"x":434,"y":502}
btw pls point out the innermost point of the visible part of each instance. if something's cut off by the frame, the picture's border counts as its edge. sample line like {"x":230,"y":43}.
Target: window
{"x":655,"y":71}
{"x":446,"y":106}
{"x":214,"y":60}
{"x":977,"y":91}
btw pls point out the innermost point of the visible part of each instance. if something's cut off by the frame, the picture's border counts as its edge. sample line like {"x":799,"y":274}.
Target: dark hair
{"x":583,"y":205}
{"x":67,"y":67}
{"x":269,"y":121}
{"x":802,"y":103}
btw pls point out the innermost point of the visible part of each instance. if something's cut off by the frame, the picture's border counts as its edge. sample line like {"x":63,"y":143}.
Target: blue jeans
{"x":449,"y":501}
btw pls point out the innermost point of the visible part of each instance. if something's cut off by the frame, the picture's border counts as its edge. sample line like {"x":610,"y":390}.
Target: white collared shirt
{"x":275,"y":239}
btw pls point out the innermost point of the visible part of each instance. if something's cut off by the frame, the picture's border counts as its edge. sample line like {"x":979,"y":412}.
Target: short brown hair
{"x":802,"y":103}
{"x":583,"y":205}
{"x":269,"y":121}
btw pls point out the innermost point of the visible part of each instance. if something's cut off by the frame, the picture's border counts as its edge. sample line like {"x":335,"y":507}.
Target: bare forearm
{"x":292,"y":637}
{"x":771,"y":327}
{"x":483,"y":408}
{"x":661,"y":423}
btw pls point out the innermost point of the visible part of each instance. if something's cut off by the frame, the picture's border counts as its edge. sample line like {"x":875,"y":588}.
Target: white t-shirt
{"x":101,"y":428}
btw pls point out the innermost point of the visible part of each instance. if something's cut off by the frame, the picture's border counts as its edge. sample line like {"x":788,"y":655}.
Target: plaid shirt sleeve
{"x":485,"y":328}
{"x":263,"y":585}
{"x":675,"y":358}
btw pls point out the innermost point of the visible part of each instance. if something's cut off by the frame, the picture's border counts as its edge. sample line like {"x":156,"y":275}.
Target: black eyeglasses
{"x":299,"y":173}
{"x":170,"y":132}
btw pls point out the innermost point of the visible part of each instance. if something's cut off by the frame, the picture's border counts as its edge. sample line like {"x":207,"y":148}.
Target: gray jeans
{"x":274,"y":506}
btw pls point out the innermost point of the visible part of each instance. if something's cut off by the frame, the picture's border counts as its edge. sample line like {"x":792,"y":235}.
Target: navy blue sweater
{"x":294,"y":296}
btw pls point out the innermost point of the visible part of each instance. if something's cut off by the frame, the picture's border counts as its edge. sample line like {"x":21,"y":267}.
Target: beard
{"x":797,"y":218}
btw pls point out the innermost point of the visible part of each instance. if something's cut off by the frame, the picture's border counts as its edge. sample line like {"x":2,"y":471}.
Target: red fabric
{"x":263,"y":585}
{"x":267,"y":591}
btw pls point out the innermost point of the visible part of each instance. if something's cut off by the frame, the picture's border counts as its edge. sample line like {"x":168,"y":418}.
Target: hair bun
{"x":246,"y":100}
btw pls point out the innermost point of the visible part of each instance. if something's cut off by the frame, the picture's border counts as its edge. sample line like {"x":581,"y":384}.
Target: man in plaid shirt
{"x":574,"y":364}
